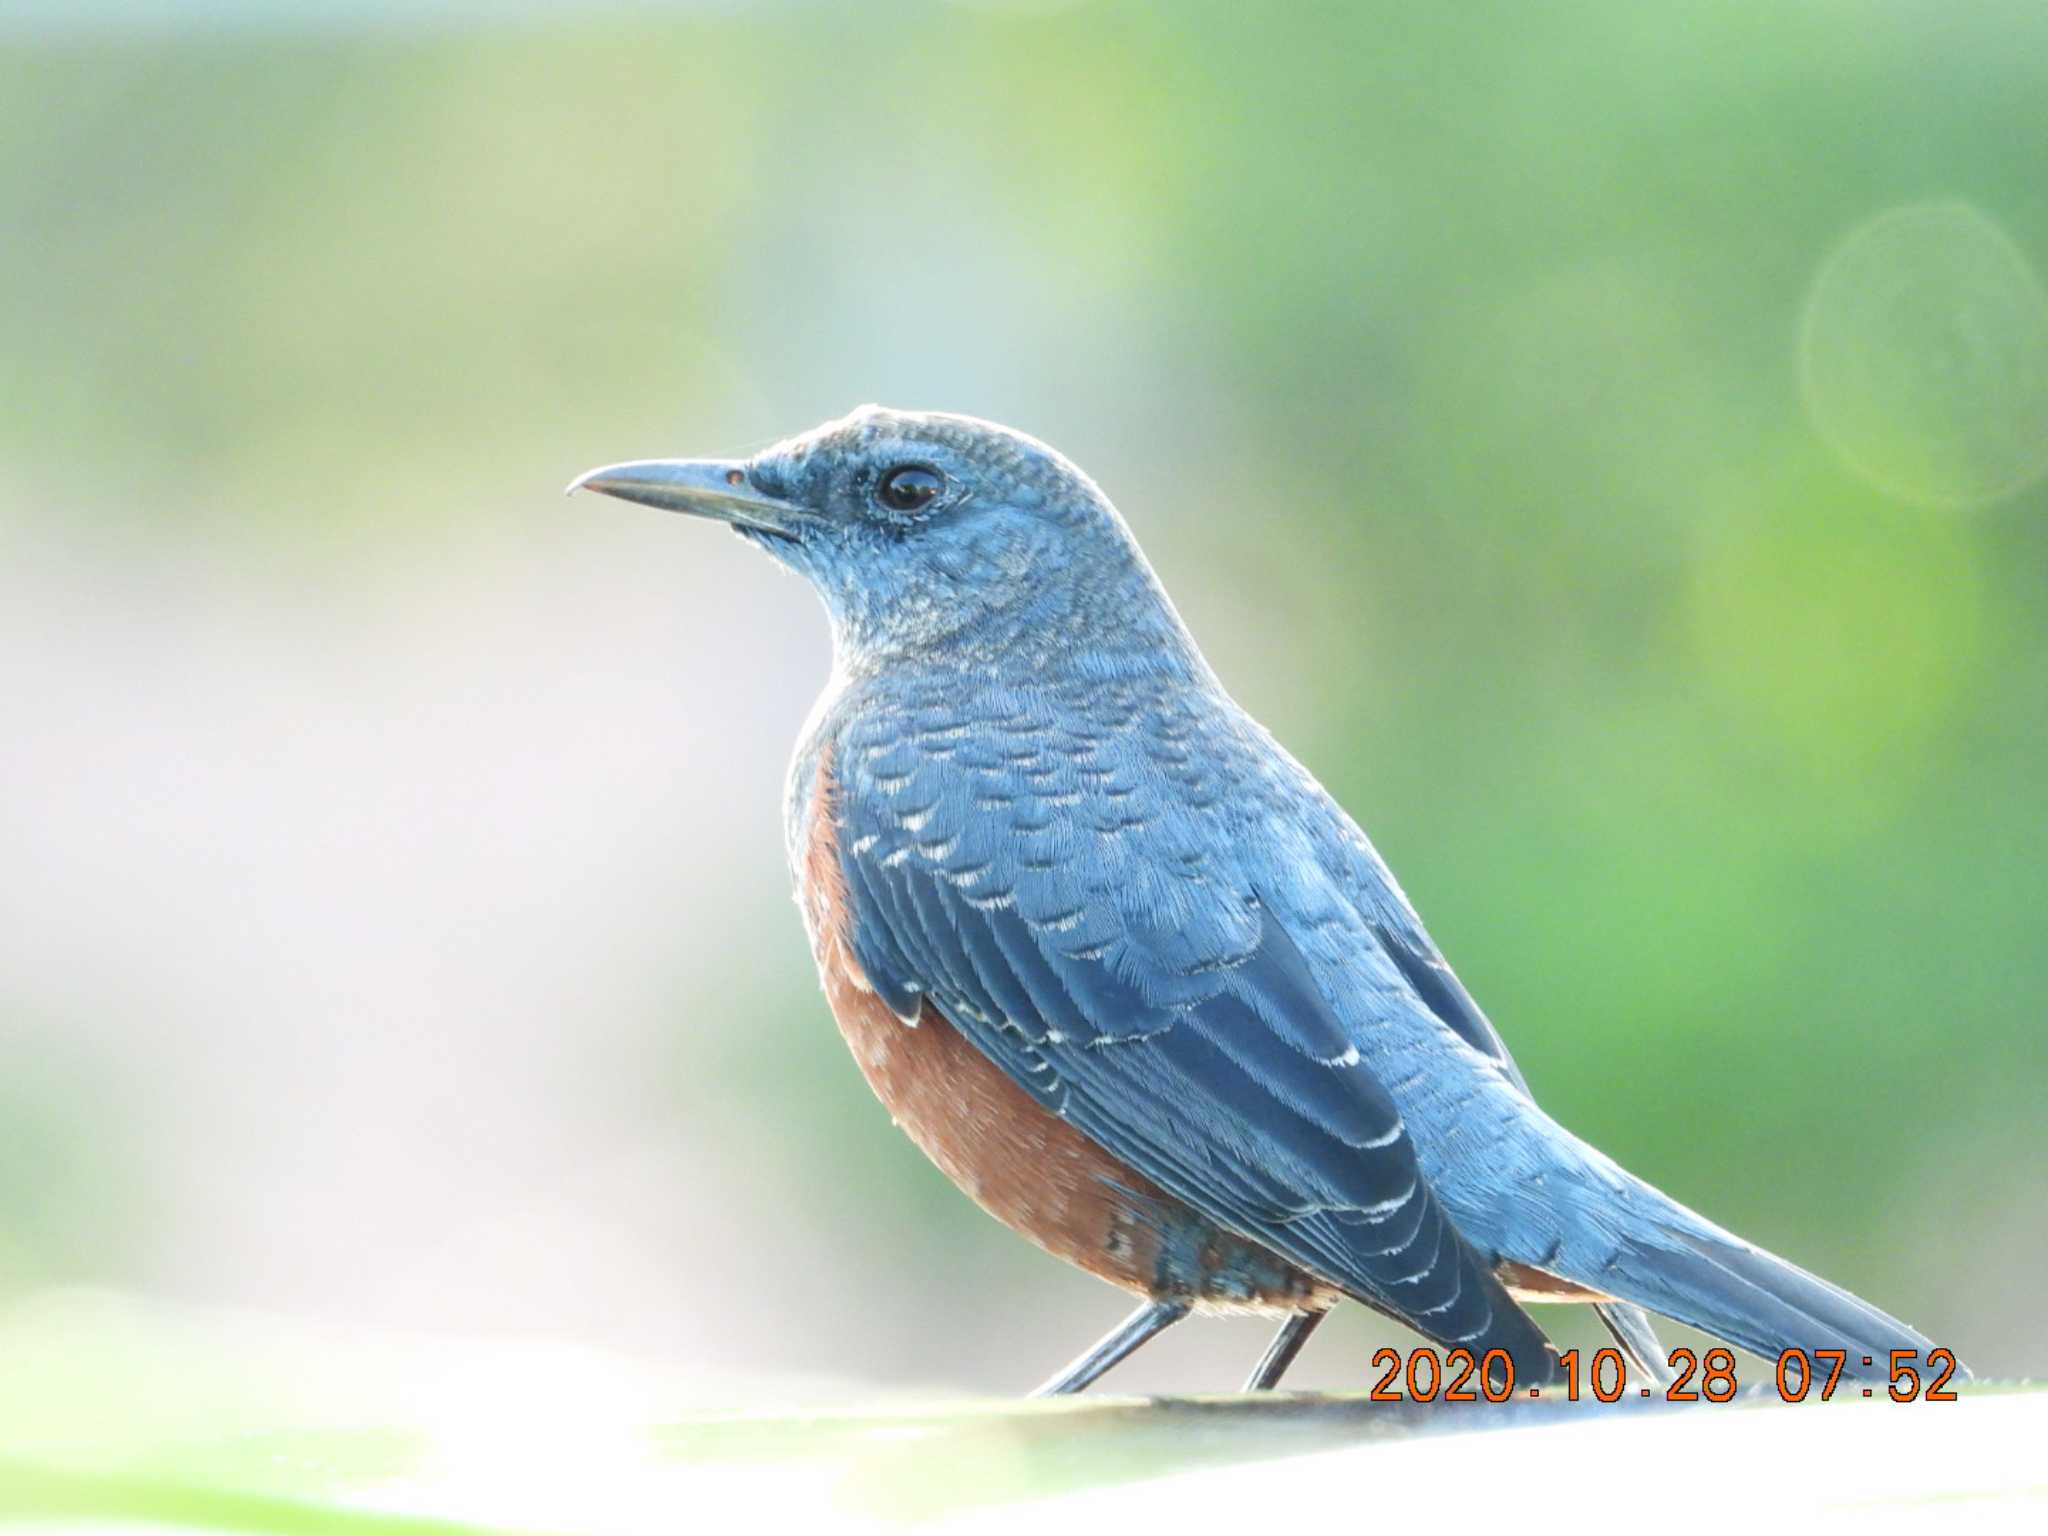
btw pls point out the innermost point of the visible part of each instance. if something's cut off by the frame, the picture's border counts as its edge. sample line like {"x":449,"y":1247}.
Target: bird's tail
{"x":1675,"y":1262}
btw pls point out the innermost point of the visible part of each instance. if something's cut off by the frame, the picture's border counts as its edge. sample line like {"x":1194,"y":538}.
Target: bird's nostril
{"x":734,"y":476}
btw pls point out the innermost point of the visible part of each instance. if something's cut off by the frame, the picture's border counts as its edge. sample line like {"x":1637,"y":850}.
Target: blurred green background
{"x":1605,"y":442}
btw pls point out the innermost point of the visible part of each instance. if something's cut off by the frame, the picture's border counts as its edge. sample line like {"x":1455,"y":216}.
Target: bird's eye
{"x":909,"y":487}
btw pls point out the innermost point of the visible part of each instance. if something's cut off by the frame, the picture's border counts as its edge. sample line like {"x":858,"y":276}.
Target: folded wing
{"x":1172,"y":1020}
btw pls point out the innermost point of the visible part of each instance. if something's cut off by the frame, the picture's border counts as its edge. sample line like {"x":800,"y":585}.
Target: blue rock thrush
{"x":1128,"y":974}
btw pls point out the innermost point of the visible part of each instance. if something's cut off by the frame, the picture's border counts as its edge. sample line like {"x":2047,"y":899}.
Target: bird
{"x":1130,"y":976}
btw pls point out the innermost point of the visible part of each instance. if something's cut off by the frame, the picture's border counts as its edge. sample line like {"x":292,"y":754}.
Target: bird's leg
{"x":1281,"y":1352}
{"x":1632,"y":1331}
{"x":1153,"y":1317}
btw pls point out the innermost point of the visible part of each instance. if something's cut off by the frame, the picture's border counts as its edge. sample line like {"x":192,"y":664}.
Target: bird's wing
{"x":1059,"y":907}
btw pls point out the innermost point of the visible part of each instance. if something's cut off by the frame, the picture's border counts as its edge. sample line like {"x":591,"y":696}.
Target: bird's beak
{"x":715,"y":488}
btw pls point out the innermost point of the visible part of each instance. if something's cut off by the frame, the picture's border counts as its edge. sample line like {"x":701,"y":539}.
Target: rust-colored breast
{"x":1028,"y":1168}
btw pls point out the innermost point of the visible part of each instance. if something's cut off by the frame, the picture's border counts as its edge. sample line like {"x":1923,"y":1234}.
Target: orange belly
{"x":1025,"y":1166}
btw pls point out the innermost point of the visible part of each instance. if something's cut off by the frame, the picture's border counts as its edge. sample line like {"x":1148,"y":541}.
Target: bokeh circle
{"x":1924,"y":356}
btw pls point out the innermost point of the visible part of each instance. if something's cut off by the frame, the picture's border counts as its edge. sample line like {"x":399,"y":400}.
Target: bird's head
{"x":929,"y":533}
